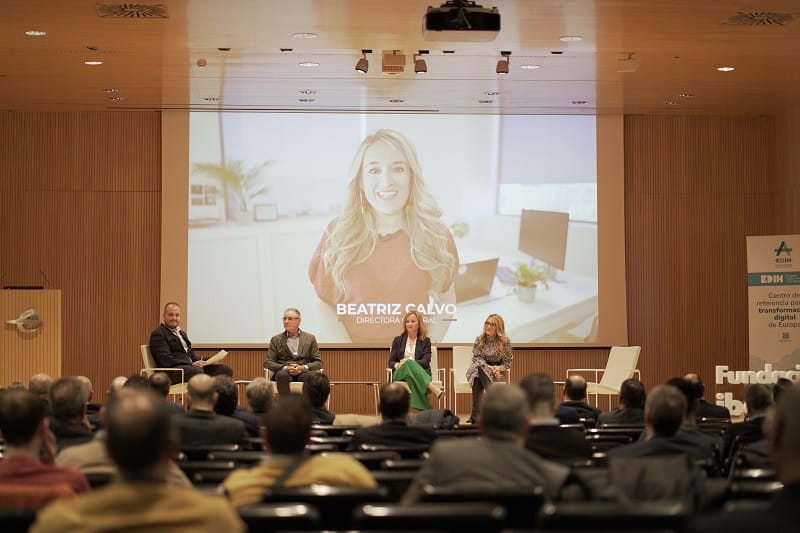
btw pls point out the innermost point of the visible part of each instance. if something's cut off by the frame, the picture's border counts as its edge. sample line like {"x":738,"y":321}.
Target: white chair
{"x":149,"y":367}
{"x":437,"y":375}
{"x":462,"y":358}
{"x":621,"y":365}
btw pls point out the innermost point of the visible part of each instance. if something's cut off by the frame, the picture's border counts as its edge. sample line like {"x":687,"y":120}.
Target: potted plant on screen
{"x":527,"y":277}
{"x":242,"y":185}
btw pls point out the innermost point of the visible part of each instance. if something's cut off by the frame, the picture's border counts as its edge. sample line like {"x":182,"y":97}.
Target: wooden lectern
{"x":23,"y":354}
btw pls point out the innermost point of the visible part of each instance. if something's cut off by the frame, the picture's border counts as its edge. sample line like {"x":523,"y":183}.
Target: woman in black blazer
{"x":410,"y":359}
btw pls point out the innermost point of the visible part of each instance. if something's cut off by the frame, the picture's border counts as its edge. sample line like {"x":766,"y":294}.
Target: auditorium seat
{"x":395,"y":481}
{"x":612,"y":516}
{"x":373,"y":460}
{"x":241,"y":457}
{"x":444,"y":517}
{"x":200,"y":453}
{"x":335,"y":504}
{"x":280,"y":516}
{"x":406,"y":451}
{"x":521,"y":505}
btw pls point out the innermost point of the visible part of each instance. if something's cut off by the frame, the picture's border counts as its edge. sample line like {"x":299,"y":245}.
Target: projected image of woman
{"x":388,"y":252}
{"x":410,"y":360}
{"x":491,"y":361}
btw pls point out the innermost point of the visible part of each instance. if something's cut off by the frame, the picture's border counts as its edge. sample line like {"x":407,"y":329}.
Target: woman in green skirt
{"x":410,"y":360}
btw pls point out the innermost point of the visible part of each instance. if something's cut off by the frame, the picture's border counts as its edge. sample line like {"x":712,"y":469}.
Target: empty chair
{"x":455,"y":517}
{"x":621,"y":365}
{"x":149,"y":367}
{"x":462,"y":356}
{"x":280,"y":516}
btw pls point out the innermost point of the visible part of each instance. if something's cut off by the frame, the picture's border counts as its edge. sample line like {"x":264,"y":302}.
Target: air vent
{"x":135,"y":11}
{"x":394,"y":62}
{"x":761,"y":18}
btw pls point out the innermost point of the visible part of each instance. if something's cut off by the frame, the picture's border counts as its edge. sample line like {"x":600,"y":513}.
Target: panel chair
{"x":462,"y":358}
{"x":438,"y":380}
{"x":149,"y":367}
{"x":621,"y":365}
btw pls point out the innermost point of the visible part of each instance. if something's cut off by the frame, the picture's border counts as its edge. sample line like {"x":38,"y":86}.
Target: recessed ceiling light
{"x":308,"y":64}
{"x":116,"y":98}
{"x":93,"y":62}
{"x":305,"y":35}
{"x":670,"y":102}
{"x":286,"y":50}
{"x":492,"y":93}
{"x":726,"y":69}
{"x":530,"y":67}
{"x":396,"y":100}
{"x":35,"y":33}
{"x":485,"y":101}
{"x":579,"y":102}
{"x":305,"y":100}
{"x":686,"y":95}
{"x":110,"y":90}
{"x":307,"y":91}
{"x":570,"y":38}
{"x":224,"y":48}
{"x":211,"y":99}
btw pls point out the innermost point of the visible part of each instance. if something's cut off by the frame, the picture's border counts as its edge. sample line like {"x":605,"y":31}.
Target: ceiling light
{"x":211,"y":99}
{"x":93,"y":62}
{"x":35,"y":33}
{"x":670,"y":102}
{"x":110,"y":90}
{"x":307,"y":91}
{"x":308,"y":64}
{"x":492,"y":93}
{"x":686,"y":95}
{"x":305,"y":35}
{"x":362,"y":65}
{"x":502,"y":64}
{"x":570,"y":38}
{"x":579,"y":102}
{"x":726,"y":69}
{"x":530,"y":67}
{"x":396,"y":100}
{"x":485,"y":101}
{"x":306,"y":100}
{"x":420,"y":66}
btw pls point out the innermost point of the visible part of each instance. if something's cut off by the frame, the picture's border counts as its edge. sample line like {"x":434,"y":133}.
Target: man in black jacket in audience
{"x":706,"y":409}
{"x":200,"y":425}
{"x":575,"y":397}
{"x":631,"y":410}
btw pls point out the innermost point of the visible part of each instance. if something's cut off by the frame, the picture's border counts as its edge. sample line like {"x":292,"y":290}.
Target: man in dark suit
{"x":758,"y":401}
{"x":292,"y":353}
{"x":228,"y":405}
{"x":545,"y":437}
{"x":575,"y":397}
{"x":160,"y":382}
{"x":631,"y":410}
{"x":200,"y":425}
{"x":171,"y":348}
{"x":497,"y":460}
{"x":781,"y":514}
{"x":706,"y":409}
{"x":394,"y":430}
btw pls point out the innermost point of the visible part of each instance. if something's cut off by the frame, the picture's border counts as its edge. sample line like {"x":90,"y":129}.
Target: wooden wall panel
{"x":24,"y":354}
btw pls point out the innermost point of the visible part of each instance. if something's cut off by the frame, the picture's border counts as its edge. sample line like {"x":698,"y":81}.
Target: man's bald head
{"x":395,"y":401}
{"x":202,"y":391}
{"x":40,"y":384}
{"x":575,"y":388}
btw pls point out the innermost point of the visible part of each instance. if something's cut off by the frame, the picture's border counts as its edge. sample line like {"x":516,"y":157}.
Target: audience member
{"x":140,"y":441}
{"x":394,"y":429}
{"x":92,"y":409}
{"x":260,"y":396}
{"x":495,"y":461}
{"x":171,"y":348}
{"x":116,"y":385}
{"x":39,"y":385}
{"x":200,"y":425}
{"x":757,"y":401}
{"x":228,"y":405}
{"x":317,"y":388}
{"x":707,"y":445}
{"x":287,"y":429}
{"x":545,"y":437}
{"x":292,"y":354}
{"x":160,"y":382}
{"x":68,"y":397}
{"x":631,"y":409}
{"x":29,"y":444}
{"x":706,"y":409}
{"x":780,"y":385}
{"x":783,"y":433}
{"x":575,"y":397}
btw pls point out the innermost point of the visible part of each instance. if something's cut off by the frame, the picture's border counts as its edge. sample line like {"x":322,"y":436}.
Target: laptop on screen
{"x":475,"y":279}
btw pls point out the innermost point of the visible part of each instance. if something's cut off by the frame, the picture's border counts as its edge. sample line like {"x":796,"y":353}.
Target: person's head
{"x":202,"y":392}
{"x":16,"y":385}
{"x":757,"y":398}
{"x":139,"y":436}
{"x":160,"y":383}
{"x":631,"y":393}
{"x":88,"y":384}
{"x":227,"y":395}
{"x":260,"y":395}
{"x":781,"y":385}
{"x":664,"y":410}
{"x":291,"y":320}
{"x":22,"y":417}
{"x":116,"y":384}
{"x":688,"y":391}
{"x":287,"y":427}
{"x":697,"y":383}
{"x":504,"y":413}
{"x":494,"y":327}
{"x":386,"y":188}
{"x":395,"y":401}
{"x":317,"y":388}
{"x":414,"y":325}
{"x":783,"y":431}
{"x":172,"y":315}
{"x":575,"y":388}
{"x":539,"y":391}
{"x":68,"y":397}
{"x":40,"y":384}
{"x":136,"y":381}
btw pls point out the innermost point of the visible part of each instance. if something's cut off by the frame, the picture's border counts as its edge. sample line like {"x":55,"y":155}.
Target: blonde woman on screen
{"x":388,"y":252}
{"x":491,"y":361}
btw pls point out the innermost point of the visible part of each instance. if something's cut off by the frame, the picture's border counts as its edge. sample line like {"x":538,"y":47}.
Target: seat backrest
{"x":462,"y":357}
{"x":620,"y":366}
{"x":148,"y":363}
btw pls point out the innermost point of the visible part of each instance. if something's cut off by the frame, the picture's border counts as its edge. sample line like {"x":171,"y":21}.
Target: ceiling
{"x":153,"y":63}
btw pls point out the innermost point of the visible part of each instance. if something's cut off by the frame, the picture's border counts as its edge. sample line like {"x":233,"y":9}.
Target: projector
{"x":459,"y":20}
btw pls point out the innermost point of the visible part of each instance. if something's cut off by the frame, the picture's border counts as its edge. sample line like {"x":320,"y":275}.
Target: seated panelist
{"x":292,"y":353}
{"x":410,"y":360}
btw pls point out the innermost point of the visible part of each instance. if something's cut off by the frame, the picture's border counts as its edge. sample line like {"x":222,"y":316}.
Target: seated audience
{"x":706,"y":409}
{"x":68,"y":397}
{"x":200,"y":425}
{"x":30,"y":446}
{"x":781,"y":385}
{"x":92,"y":409}
{"x":394,"y":429}
{"x":160,"y":382}
{"x":757,"y":401}
{"x":317,"y":388}
{"x":39,"y":385}
{"x":497,"y":460}
{"x":140,"y":441}
{"x":575,"y":397}
{"x":228,"y":405}
{"x":287,"y":429}
{"x":260,"y":396}
{"x":783,"y":433}
{"x":545,"y":437}
{"x":708,"y":446}
{"x":631,"y":409}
